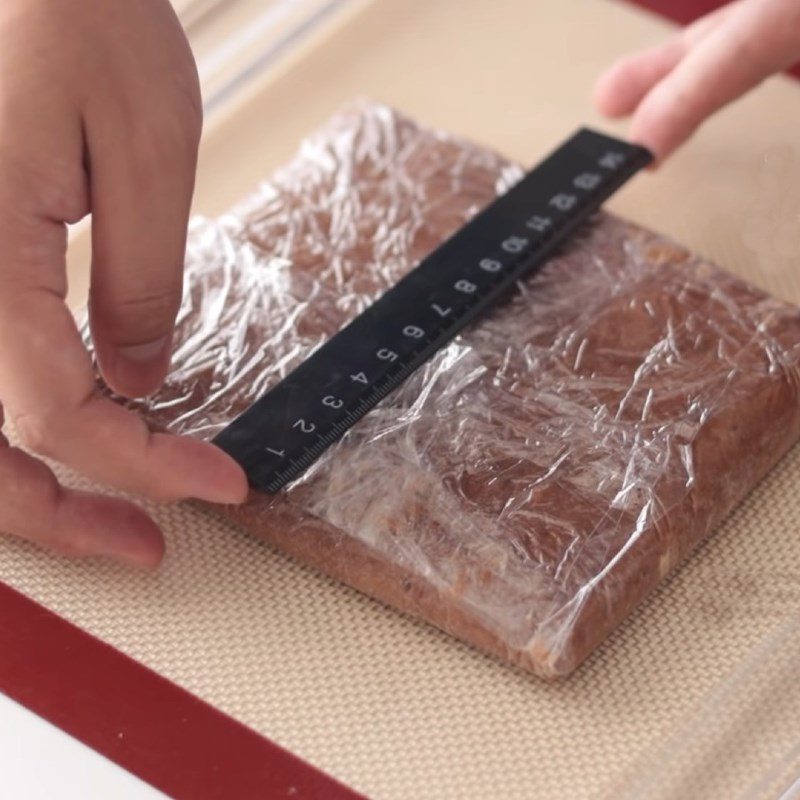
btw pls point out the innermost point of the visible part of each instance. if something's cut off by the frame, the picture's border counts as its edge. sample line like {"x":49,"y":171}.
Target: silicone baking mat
{"x":390,"y":706}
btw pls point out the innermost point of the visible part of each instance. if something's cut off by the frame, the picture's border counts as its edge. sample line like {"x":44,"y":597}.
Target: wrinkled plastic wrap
{"x":530,"y":484}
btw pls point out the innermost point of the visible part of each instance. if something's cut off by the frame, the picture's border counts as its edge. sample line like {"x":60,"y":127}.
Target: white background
{"x":40,"y":762}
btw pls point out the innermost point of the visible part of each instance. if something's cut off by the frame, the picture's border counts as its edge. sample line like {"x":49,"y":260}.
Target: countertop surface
{"x":297,"y":657}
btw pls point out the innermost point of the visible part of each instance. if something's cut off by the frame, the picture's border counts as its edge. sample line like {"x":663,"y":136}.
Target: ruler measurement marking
{"x":426,"y":309}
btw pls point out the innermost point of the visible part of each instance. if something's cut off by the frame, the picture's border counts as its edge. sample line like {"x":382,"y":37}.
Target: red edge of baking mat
{"x":686,"y":11}
{"x":140,"y":720}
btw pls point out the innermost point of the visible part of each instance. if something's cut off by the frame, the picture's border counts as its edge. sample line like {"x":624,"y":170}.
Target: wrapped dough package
{"x":528,"y":486}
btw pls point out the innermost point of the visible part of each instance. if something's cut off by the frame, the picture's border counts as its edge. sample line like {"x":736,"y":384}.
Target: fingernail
{"x":137,"y":370}
{"x":142,"y":353}
{"x":223,"y":481}
{"x":147,"y":561}
{"x":231,"y":491}
{"x":143,"y":549}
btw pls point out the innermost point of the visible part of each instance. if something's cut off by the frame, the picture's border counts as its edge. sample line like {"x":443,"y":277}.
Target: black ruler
{"x":288,"y":428}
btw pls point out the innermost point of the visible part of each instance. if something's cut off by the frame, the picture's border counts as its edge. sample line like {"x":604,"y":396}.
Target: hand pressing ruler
{"x":288,"y":428}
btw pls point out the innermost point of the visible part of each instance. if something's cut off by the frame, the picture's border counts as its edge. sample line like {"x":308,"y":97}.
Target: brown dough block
{"x":539,"y":476}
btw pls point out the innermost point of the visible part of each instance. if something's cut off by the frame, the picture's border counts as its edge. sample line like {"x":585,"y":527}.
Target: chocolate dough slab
{"x":528,"y":486}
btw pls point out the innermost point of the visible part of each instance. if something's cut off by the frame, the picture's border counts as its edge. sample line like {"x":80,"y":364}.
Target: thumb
{"x":142,"y":169}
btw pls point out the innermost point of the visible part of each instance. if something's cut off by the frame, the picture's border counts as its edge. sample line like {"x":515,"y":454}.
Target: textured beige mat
{"x":395,"y":708}
{"x":389,"y":705}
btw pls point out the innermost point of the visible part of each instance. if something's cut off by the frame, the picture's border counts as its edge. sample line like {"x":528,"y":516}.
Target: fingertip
{"x":607,"y":95}
{"x":218,"y":479}
{"x":638,"y":135}
{"x":145,"y":550}
{"x":147,"y":562}
{"x":661,"y":132}
{"x":232,"y":486}
{"x":200,"y":470}
{"x":627,"y":83}
{"x":93,"y":525}
{"x":137,"y":370}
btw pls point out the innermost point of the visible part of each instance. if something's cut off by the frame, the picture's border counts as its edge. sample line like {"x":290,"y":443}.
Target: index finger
{"x":48,"y":386}
{"x":751,"y":42}
{"x":46,"y":377}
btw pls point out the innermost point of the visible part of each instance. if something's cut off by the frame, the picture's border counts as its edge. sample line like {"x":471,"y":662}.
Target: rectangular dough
{"x":527,"y":487}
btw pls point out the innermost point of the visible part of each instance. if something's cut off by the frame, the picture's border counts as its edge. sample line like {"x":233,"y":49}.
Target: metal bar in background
{"x":235,"y":40}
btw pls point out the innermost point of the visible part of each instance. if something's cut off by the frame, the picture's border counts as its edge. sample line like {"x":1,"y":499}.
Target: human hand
{"x":672,"y":88}
{"x":99,"y":112}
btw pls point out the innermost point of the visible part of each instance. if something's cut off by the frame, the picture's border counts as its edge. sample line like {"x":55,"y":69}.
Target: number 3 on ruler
{"x":332,"y":402}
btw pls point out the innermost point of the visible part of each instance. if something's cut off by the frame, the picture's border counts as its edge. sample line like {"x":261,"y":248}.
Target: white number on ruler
{"x":465,"y":286}
{"x":611,"y":160}
{"x":538,"y":223}
{"x":305,"y":427}
{"x":490,"y":265}
{"x":515,"y":244}
{"x":280,"y":453}
{"x":332,"y":402}
{"x":442,"y":312}
{"x":386,"y":355}
{"x":587,"y":180}
{"x":563,"y":201}
{"x":413,"y":332}
{"x":359,"y":377}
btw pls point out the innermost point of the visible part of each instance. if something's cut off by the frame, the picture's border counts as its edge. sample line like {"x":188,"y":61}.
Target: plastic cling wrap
{"x":531,"y":483}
